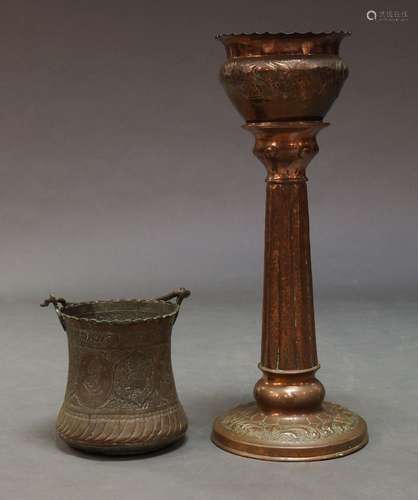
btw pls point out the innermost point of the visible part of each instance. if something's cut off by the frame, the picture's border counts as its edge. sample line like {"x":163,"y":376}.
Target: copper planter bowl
{"x":121,"y":396}
{"x":273,"y":77}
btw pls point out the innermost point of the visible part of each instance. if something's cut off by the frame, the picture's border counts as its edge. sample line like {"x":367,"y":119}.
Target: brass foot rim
{"x":330,"y":432}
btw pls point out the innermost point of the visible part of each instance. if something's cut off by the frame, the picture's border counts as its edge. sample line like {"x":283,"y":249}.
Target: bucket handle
{"x":59,"y":304}
{"x":179,"y":293}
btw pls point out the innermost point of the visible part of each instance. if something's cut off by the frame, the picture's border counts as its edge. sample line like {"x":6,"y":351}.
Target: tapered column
{"x":288,"y":349}
{"x":288,"y":338}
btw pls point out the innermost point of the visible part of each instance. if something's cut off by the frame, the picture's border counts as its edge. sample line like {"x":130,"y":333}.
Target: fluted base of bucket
{"x":127,"y":450}
{"x":122,"y":434}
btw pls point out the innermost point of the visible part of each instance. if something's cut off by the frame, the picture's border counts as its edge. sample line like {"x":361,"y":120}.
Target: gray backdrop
{"x":125,"y":173}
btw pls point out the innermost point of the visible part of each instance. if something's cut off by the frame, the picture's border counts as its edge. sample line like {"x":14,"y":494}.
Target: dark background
{"x":124,"y":172}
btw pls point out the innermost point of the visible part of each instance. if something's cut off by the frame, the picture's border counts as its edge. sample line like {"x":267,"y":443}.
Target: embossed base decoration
{"x":330,"y":432}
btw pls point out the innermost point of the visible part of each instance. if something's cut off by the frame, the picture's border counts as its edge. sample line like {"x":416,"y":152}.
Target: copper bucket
{"x":121,"y":396}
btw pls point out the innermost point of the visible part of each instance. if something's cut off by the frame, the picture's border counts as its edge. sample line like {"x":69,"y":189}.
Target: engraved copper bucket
{"x":121,"y":396}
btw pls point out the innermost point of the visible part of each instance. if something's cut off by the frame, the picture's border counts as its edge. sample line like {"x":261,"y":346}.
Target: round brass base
{"x":329,"y":432}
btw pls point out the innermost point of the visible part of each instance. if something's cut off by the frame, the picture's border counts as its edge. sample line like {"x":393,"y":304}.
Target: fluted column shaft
{"x":288,"y":339}
{"x":288,"y":349}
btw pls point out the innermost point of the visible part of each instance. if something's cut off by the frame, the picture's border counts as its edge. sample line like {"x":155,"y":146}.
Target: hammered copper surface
{"x":283,"y":77}
{"x":121,"y":396}
{"x":283,"y":85}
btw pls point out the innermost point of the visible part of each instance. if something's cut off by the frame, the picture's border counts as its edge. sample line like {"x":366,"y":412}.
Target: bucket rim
{"x":64,"y":315}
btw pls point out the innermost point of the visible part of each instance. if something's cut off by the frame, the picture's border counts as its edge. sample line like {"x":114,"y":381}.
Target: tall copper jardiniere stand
{"x":283,"y":85}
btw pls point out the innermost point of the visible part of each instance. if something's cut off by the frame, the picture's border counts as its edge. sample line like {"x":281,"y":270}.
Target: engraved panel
{"x":95,"y":379}
{"x":134,"y":377}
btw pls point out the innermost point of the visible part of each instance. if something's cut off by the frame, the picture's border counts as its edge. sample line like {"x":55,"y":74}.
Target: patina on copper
{"x":283,"y":85}
{"x":121,"y":396}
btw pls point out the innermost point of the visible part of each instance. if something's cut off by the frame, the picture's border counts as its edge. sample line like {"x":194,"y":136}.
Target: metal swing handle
{"x":179,"y":293}
{"x":59,"y":304}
